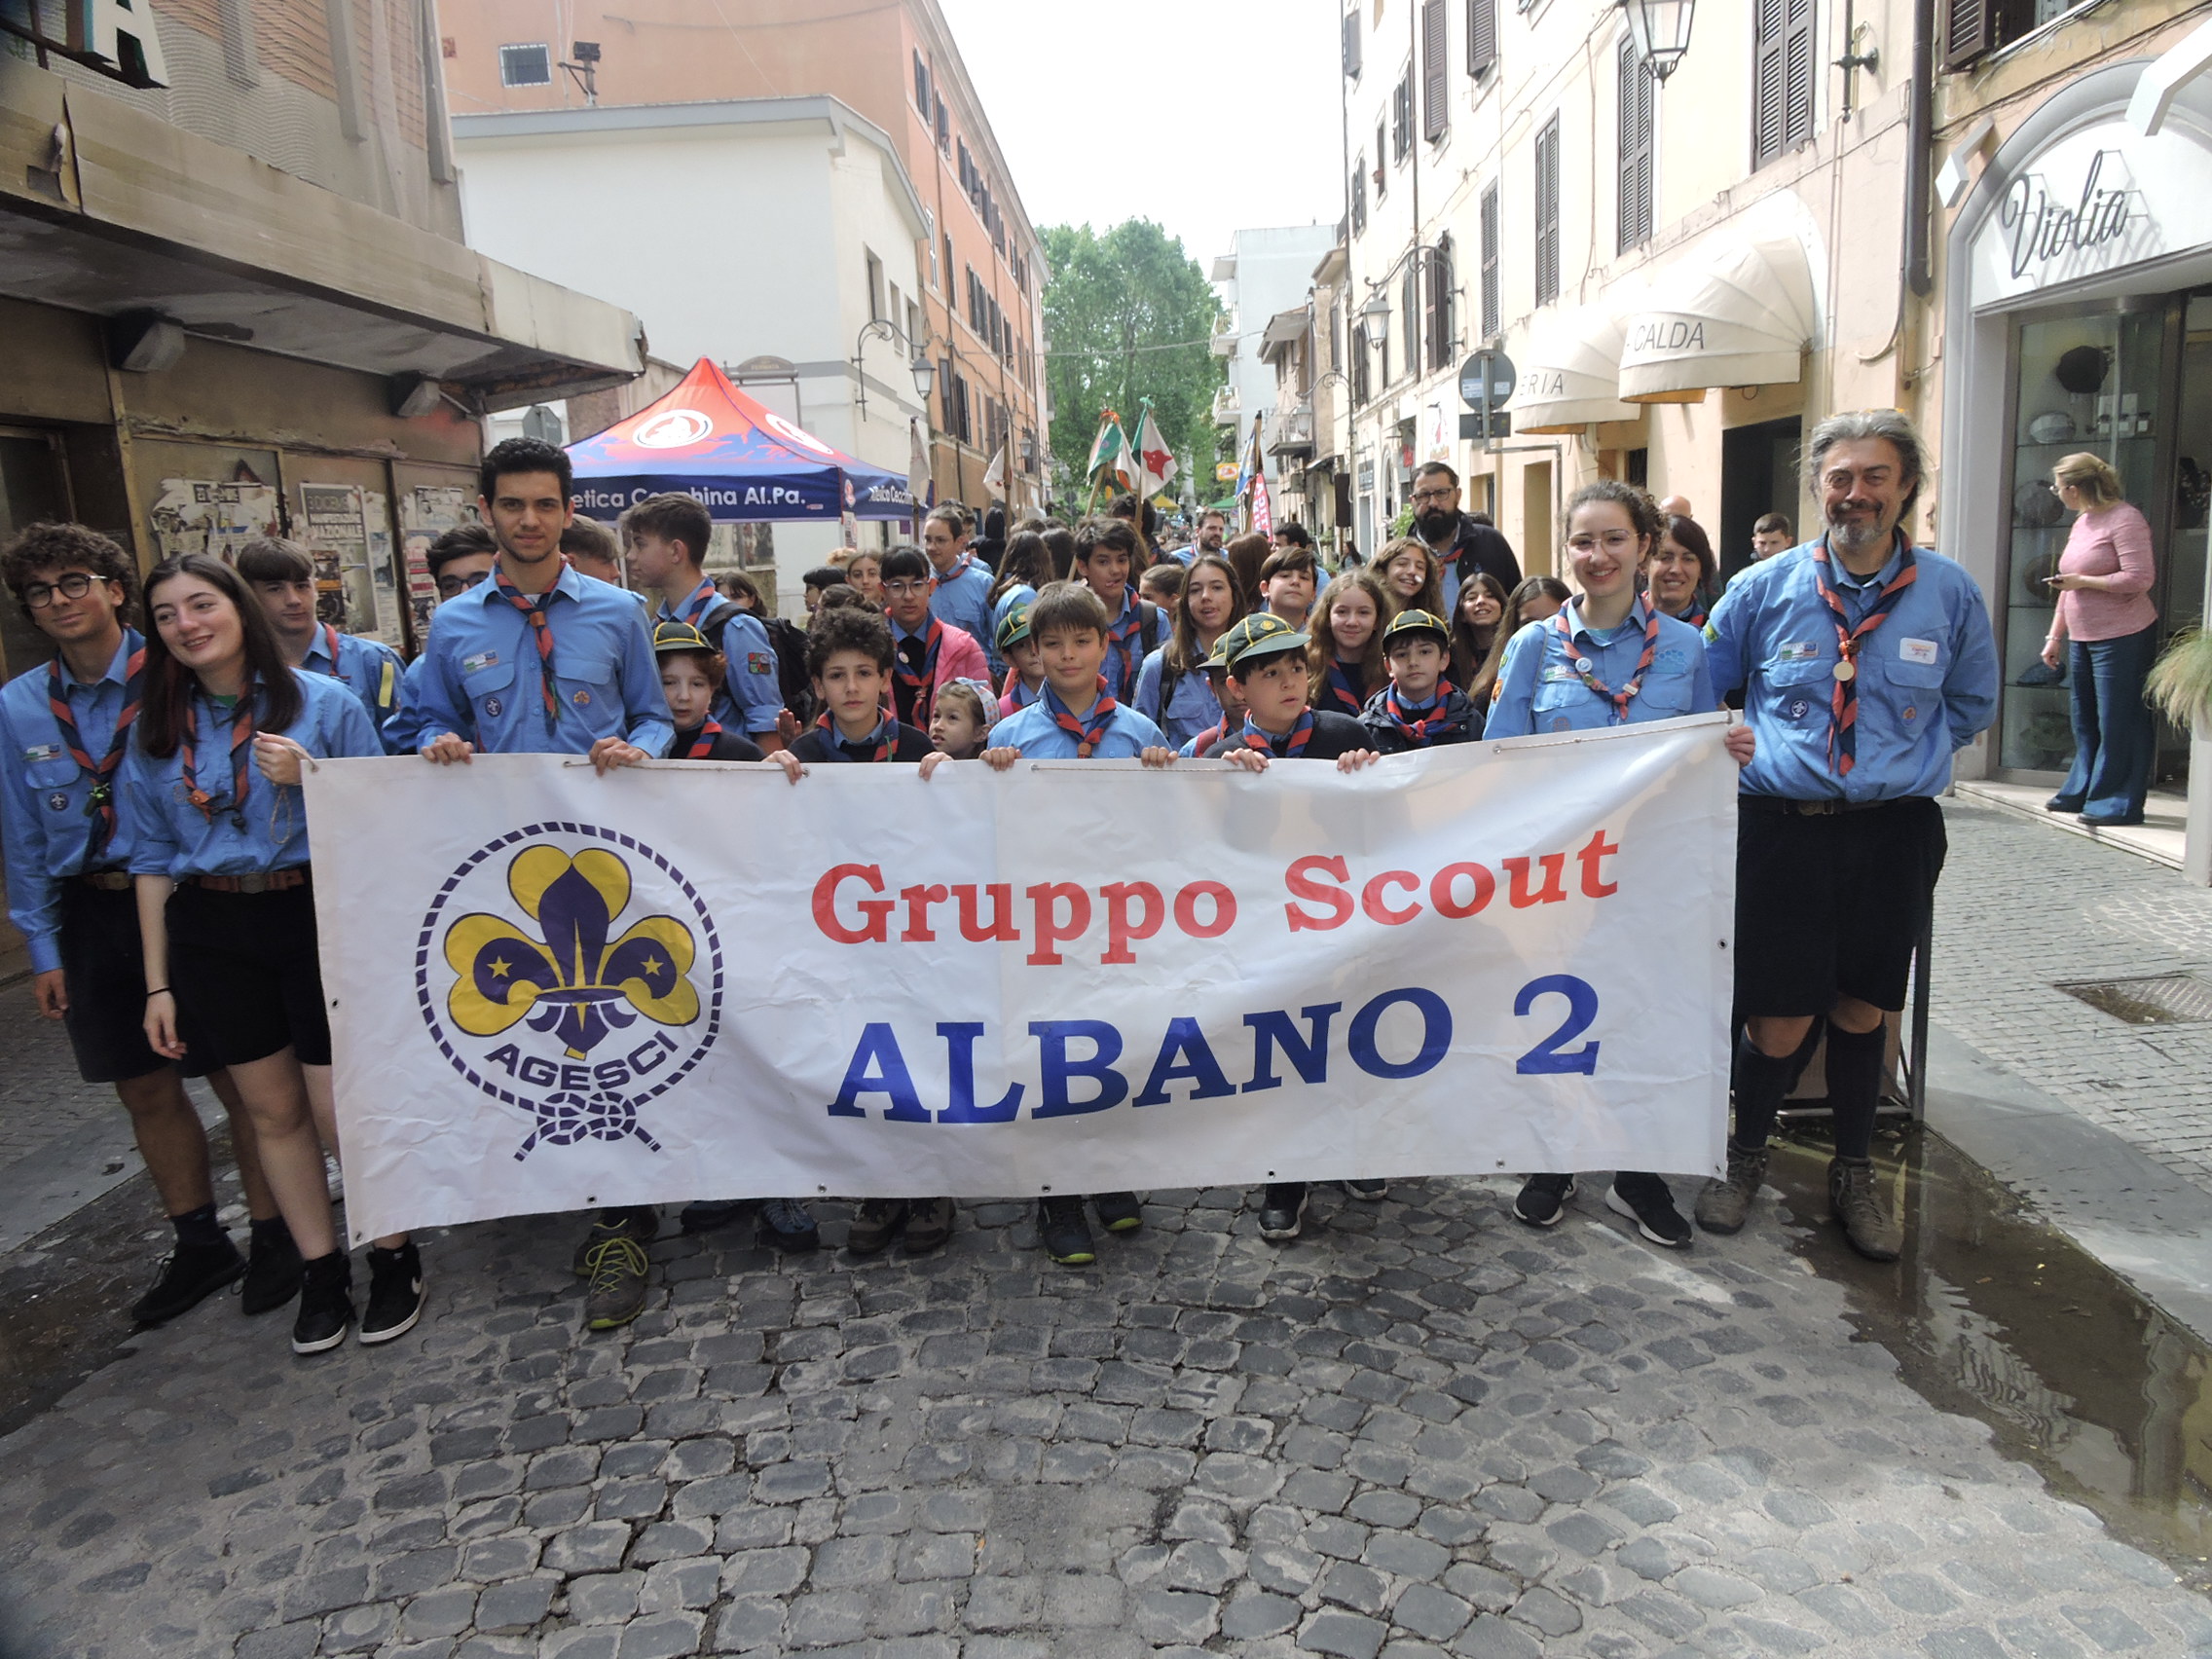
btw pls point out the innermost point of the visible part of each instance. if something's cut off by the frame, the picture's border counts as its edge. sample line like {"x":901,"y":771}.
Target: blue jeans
{"x":2114,"y":739}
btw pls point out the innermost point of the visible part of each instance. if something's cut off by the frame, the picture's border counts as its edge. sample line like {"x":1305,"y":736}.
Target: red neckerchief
{"x":330,"y":644}
{"x":884,"y":749}
{"x":702,"y":600}
{"x":1088,"y":733}
{"x":1337,"y":684}
{"x":703,"y":744}
{"x":1301,"y":734}
{"x":1213,"y":735}
{"x":1124,"y":632}
{"x":540,"y":630}
{"x":916,"y":682}
{"x":241,"y":754}
{"x":100,"y":802}
{"x":1416,"y":730}
{"x":1843,"y":702}
{"x":1619,"y":699}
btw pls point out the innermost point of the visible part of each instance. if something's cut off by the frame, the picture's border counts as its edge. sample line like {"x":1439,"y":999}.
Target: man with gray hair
{"x":1864,"y":664}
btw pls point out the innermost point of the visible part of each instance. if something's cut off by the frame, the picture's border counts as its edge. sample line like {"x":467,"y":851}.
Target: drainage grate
{"x":2165,"y":998}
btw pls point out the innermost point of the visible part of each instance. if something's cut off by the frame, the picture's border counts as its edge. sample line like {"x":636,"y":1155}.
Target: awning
{"x":1739,"y":313}
{"x":740,"y":461}
{"x":1571,"y":372}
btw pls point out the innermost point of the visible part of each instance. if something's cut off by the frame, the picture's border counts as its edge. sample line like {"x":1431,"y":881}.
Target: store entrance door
{"x":33,"y":486}
{"x":1758,"y":475}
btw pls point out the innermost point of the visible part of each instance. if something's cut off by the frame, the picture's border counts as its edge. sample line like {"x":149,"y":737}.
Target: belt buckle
{"x":256,"y":881}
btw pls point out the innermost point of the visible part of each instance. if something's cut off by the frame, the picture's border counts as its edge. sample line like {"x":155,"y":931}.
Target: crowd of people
{"x":157,"y":857}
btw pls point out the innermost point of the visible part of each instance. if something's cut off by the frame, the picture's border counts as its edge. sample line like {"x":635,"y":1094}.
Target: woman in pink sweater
{"x":2105,"y":611}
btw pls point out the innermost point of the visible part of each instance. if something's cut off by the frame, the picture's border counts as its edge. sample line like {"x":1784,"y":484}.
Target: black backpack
{"x":788,"y":643}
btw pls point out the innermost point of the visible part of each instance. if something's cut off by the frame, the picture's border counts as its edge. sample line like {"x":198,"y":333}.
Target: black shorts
{"x":245,"y":974}
{"x":104,"y":972}
{"x":1831,"y":906}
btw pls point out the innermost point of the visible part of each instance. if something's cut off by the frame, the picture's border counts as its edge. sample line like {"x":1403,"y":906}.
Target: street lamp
{"x":882,"y":328}
{"x":925,"y":376}
{"x":1376,"y":315}
{"x":1661,"y":31}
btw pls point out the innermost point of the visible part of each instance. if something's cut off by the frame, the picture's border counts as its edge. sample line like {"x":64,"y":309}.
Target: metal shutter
{"x":1634,"y":207}
{"x":1435,"y":77}
{"x":1490,"y":253}
{"x":1352,"y":45}
{"x":1970,"y":30}
{"x":1547,"y":212}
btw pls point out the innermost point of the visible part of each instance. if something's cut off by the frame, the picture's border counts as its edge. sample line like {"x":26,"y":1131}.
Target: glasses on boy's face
{"x":448,"y":587}
{"x":907,"y":590}
{"x":1613,"y":541}
{"x":75,"y":585}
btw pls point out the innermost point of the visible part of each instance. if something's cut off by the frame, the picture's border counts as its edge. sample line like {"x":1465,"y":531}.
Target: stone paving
{"x":1423,"y":1429}
{"x":2022,"y":908}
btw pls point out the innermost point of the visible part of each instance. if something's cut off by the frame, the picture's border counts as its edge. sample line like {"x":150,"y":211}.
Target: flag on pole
{"x":1154,"y":463}
{"x":994,"y":475}
{"x":1110,"y":460}
{"x":1251,"y":478}
{"x":1262,"y":518}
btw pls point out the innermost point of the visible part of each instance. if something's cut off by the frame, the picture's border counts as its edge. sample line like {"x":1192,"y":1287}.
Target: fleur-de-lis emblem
{"x":572,"y":983}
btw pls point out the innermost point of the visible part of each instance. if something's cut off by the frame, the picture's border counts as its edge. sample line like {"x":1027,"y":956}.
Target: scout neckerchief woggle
{"x":540,"y":630}
{"x":99,"y":804}
{"x":1581,"y":664}
{"x":1091,"y":731}
{"x":241,"y":755}
{"x":1843,"y":702}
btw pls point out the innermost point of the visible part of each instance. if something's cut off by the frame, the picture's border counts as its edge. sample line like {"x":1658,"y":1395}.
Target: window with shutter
{"x":1782,"y":77}
{"x":1482,"y":37}
{"x":1409,"y":308}
{"x":1547,"y":212}
{"x":1637,"y":111}
{"x":1435,"y":73}
{"x":1359,"y":197}
{"x":1360,"y":363}
{"x":1382,"y":173}
{"x":1490,"y":252}
{"x":1402,"y":116}
{"x":1352,"y":45}
{"x":921,"y":85}
{"x":1443,"y":332}
{"x":1797,"y":59}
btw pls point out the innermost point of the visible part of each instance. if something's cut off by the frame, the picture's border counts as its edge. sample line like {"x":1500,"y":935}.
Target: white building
{"x":1264,"y":273}
{"x":766,"y":234}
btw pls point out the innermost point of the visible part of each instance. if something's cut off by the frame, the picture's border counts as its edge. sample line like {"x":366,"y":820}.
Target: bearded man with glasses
{"x":1462,"y":543}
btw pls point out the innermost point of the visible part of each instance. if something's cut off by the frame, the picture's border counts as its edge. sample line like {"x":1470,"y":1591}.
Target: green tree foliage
{"x":1115,"y":300}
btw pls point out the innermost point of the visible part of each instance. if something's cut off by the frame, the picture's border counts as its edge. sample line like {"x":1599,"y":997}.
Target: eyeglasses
{"x":907,"y":590}
{"x":1614,"y":541}
{"x":1439,"y":495}
{"x":451,"y":585}
{"x":75,"y":585}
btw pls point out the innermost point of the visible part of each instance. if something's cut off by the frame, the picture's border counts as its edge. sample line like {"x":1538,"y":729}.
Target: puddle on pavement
{"x":1995,"y":1315}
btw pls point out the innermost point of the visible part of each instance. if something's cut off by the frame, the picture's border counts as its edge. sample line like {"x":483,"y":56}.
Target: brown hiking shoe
{"x":1724,"y":1202}
{"x":618,"y":1282}
{"x":1857,"y":1202}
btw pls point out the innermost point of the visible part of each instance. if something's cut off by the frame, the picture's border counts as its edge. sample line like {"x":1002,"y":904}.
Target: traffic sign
{"x":1471,"y":426}
{"x":1488,"y":368}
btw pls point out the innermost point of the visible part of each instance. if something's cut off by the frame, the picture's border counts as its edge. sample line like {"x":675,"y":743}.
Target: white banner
{"x":553,"y":992}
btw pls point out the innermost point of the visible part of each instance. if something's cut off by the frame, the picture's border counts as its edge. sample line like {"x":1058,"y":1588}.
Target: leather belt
{"x":255,"y":881}
{"x":108,"y":881}
{"x":1828,"y":807}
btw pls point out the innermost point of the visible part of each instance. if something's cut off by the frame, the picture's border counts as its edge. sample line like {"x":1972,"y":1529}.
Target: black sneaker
{"x":874,"y":1225}
{"x":1119,"y":1212}
{"x":929,"y":1224}
{"x":1646,"y":1200}
{"x":1542,"y":1199}
{"x":1373,"y":1191}
{"x":272,"y":1269}
{"x":326,"y":1304}
{"x":1064,"y":1233}
{"x":640,"y":1226}
{"x":1282,"y":1211}
{"x":786,"y":1223}
{"x":190,"y":1275}
{"x":709,"y":1215}
{"x":618,"y":1280}
{"x":395,"y":1293}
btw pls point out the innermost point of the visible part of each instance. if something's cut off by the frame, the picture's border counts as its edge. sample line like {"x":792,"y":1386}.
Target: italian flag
{"x":1110,"y":452}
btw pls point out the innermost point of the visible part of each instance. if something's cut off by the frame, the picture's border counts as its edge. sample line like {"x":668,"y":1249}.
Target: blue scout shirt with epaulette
{"x":162,"y":834}
{"x":47,"y":815}
{"x":962,"y":599}
{"x":481,"y":673}
{"x":1541,"y":690}
{"x":1040,"y":736}
{"x":1926,"y":677}
{"x":373,"y":671}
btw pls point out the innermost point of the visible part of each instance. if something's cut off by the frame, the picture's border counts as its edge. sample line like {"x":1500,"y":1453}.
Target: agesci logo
{"x":573,"y":973}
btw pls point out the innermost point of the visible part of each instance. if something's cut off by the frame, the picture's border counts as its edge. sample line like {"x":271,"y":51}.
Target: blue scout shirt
{"x":162,"y":834}
{"x":372,"y":670}
{"x":756,"y":695}
{"x":1539,"y":690}
{"x":480,"y":673}
{"x":1039,"y":736}
{"x":46,"y":816}
{"x":1122,"y":664}
{"x":963,"y":601}
{"x":1193,"y":707}
{"x":1926,"y":681}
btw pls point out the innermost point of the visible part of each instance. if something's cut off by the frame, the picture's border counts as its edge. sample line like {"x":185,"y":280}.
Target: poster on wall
{"x":384,"y":569}
{"x":204,"y":515}
{"x":335,"y":530}
{"x":425,"y":513}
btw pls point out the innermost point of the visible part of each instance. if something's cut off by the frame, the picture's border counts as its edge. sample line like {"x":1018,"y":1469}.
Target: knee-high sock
{"x":1855,"y":1087}
{"x":1760,"y":1082}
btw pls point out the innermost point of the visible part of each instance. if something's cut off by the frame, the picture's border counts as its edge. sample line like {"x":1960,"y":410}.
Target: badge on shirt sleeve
{"x":492,"y":708}
{"x":1921,"y":651}
{"x":481,"y":659}
{"x":760,"y":662}
{"x":39,"y":752}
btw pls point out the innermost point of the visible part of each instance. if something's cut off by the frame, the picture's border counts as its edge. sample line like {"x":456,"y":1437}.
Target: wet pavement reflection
{"x":1995,"y":1315}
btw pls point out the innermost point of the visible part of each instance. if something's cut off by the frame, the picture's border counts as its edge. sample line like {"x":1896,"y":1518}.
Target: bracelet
{"x":159,"y":992}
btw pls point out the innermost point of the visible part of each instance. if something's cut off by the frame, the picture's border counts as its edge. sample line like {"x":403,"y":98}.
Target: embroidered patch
{"x":491,"y":707}
{"x":760,"y":662}
{"x":59,"y":802}
{"x":1671,"y":662}
{"x":1798,"y":707}
{"x":1921,"y":651}
{"x":481,"y":659}
{"x":582,"y":699}
{"x":38,"y":752}
{"x":1556,"y":671}
{"x":1797,"y":654}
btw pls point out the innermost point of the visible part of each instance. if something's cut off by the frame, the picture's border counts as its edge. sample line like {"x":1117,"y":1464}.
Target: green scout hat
{"x":1014,"y":629}
{"x":679,"y":637}
{"x":1257,"y":638}
{"x":1416,"y":622}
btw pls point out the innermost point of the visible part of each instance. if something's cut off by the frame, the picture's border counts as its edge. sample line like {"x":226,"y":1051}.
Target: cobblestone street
{"x":1421,"y":1429}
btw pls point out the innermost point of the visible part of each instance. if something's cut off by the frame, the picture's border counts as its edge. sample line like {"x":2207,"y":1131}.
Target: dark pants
{"x":2114,"y":739}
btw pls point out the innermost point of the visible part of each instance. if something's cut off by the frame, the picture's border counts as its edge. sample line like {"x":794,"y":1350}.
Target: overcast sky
{"x":1221,"y":114}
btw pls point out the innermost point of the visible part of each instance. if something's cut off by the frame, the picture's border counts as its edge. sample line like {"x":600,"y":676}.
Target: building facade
{"x":1266,"y":285}
{"x":975,"y":299}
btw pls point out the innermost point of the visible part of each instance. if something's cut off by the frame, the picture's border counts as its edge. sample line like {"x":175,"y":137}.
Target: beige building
{"x":973,"y":301}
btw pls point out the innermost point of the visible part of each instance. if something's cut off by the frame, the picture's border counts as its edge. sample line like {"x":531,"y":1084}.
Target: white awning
{"x":1740,"y":313}
{"x":1570,"y":371}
